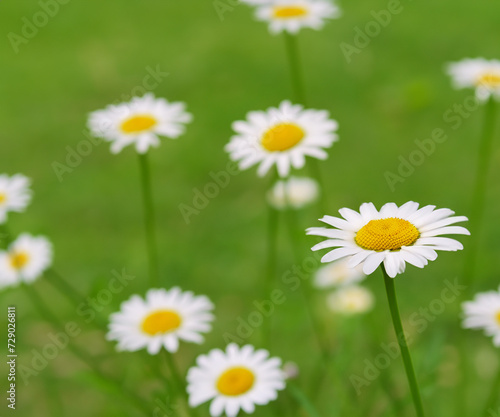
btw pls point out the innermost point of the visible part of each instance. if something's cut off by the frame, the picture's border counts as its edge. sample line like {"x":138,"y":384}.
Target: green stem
{"x":5,"y":237}
{"x":318,"y":176}
{"x":493,"y":397}
{"x":179,"y":382}
{"x":479,"y":193}
{"x":149,"y":219}
{"x":292,"y":51}
{"x":128,"y":395}
{"x":401,"y":338}
{"x":302,"y":399}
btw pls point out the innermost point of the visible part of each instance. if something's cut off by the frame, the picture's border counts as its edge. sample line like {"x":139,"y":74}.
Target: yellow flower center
{"x":235,"y":381}
{"x":289,"y":12}
{"x":139,"y":123}
{"x":498,"y":317}
{"x":19,"y":259}
{"x":489,"y":79}
{"x":162,"y":321}
{"x":387,"y":234}
{"x":3,"y":198}
{"x":282,"y":137}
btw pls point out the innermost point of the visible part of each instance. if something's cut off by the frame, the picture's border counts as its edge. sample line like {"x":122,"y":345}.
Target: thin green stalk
{"x":401,"y":338}
{"x":5,"y":237}
{"x":128,"y":395}
{"x":292,"y":51}
{"x":318,"y":176}
{"x":493,"y":397}
{"x":479,"y":192}
{"x":302,"y":399}
{"x":149,"y":219}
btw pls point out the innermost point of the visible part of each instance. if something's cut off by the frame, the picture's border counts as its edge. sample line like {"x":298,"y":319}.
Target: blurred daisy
{"x":293,"y":15}
{"x":256,"y":2}
{"x":354,"y":299}
{"x":15,"y":194}
{"x":25,"y":260}
{"x":294,"y":191}
{"x":480,"y":73}
{"x":238,"y":378}
{"x":161,"y":320}
{"x":281,"y":136}
{"x":392,"y":236}
{"x":484,"y":313}
{"x":140,"y":122}
{"x":338,"y":273}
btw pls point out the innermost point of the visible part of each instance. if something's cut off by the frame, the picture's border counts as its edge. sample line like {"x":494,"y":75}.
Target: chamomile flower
{"x":294,"y":192}
{"x":161,"y":320}
{"x":25,"y":260}
{"x":281,"y":136}
{"x":353,"y":299}
{"x":238,"y":378}
{"x":484,"y":313}
{"x":479,"y":73}
{"x":15,"y":194}
{"x":392,"y":236}
{"x":338,"y":274}
{"x":139,"y":122}
{"x":293,"y":15}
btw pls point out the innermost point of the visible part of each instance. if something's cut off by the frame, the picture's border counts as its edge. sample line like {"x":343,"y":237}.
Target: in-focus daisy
{"x":479,"y":73}
{"x":353,"y":299}
{"x":293,"y":15}
{"x":484,"y":313}
{"x":392,"y":236}
{"x":15,"y":194}
{"x":25,"y":260}
{"x":238,"y":378}
{"x":161,"y":320}
{"x":140,"y":122}
{"x":281,"y":136}
{"x":337,"y":274}
{"x":294,"y":192}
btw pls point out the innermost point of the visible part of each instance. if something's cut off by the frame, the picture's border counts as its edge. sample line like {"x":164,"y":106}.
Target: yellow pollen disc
{"x":489,"y":80}
{"x":284,"y":12}
{"x":162,"y":321}
{"x":139,"y":123}
{"x":282,"y":137}
{"x":387,"y":234}
{"x":3,"y":197}
{"x":235,"y":381}
{"x":19,"y":260}
{"x":498,"y":317}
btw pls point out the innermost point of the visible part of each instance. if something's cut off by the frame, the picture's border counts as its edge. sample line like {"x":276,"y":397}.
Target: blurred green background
{"x":393,"y":92}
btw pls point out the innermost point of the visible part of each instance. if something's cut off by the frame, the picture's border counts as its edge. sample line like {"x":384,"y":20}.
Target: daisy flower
{"x":337,"y":274}
{"x":161,"y":320}
{"x":140,"y":122}
{"x":392,"y":236}
{"x":484,"y":313}
{"x":296,"y":192}
{"x":480,"y":73}
{"x":25,"y":260}
{"x":238,"y":378}
{"x":15,"y":194}
{"x":293,"y":15}
{"x":281,"y":136}
{"x":353,"y":299}
{"x":256,"y":2}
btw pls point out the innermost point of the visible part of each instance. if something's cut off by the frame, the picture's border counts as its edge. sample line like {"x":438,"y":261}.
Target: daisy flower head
{"x":237,"y":379}
{"x":392,"y":236}
{"x":140,"y":122}
{"x":479,"y":73}
{"x":281,"y":136}
{"x":294,"y":192}
{"x":15,"y":194}
{"x":353,"y":299}
{"x":161,"y":319}
{"x":292,"y":15}
{"x":338,"y":274}
{"x":25,"y":260}
{"x":484,"y":313}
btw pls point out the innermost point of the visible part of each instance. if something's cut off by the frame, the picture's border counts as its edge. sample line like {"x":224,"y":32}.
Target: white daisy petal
{"x":15,"y":194}
{"x":484,"y":313}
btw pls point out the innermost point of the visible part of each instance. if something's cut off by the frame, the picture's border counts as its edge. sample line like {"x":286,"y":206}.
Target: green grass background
{"x":395,"y":91}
